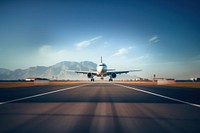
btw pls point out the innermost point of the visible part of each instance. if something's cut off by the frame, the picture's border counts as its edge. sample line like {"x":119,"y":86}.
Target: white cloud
{"x":122,"y":51}
{"x":154,"y":39}
{"x":143,"y":57}
{"x":87,"y":43}
{"x":44,"y":49}
{"x":49,"y":51}
{"x":49,"y":55}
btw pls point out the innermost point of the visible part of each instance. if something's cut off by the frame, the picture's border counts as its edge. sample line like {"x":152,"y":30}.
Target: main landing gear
{"x":110,"y":80}
{"x":92,"y":80}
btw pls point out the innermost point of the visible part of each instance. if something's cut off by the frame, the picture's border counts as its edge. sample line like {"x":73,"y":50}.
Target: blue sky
{"x":157,"y":36}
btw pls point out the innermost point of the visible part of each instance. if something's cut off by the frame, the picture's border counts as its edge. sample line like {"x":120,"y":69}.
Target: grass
{"x":187,"y":84}
{"x":177,"y":84}
{"x":27,"y":84}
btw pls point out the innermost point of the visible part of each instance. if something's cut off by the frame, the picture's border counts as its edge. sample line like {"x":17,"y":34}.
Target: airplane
{"x":102,"y":71}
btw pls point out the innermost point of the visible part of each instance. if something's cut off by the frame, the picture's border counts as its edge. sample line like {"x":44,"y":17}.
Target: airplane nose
{"x":101,"y":70}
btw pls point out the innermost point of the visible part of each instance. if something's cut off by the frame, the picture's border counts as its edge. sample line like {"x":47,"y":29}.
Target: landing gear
{"x":110,"y":80}
{"x":92,"y":80}
{"x":101,"y":78}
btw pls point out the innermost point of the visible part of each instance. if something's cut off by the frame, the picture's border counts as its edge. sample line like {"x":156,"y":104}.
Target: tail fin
{"x":101,"y":59}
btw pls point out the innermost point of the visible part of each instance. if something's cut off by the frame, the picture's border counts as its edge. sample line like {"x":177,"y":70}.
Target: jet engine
{"x":113,"y":75}
{"x":89,"y":75}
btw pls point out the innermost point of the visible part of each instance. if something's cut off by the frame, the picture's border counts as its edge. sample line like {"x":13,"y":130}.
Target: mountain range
{"x":54,"y":72}
{"x":57,"y":71}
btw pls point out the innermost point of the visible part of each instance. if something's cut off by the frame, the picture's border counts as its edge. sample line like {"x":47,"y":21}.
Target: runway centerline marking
{"x":42,"y":94}
{"x":159,"y":95}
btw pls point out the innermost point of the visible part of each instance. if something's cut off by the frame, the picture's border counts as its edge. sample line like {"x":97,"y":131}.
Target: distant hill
{"x":57,"y":71}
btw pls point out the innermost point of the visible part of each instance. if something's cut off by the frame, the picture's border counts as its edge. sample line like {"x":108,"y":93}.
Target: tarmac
{"x":99,"y":108}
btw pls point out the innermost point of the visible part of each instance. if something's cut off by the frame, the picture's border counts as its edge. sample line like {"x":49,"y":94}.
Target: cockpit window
{"x":102,"y":65}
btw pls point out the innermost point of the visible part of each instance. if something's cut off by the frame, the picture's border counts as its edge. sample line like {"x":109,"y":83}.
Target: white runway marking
{"x":155,"y":94}
{"x":42,"y":94}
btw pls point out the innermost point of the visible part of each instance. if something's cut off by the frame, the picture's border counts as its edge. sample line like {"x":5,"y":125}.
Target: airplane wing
{"x":86,"y":72}
{"x":82,"y":72}
{"x":121,"y":72}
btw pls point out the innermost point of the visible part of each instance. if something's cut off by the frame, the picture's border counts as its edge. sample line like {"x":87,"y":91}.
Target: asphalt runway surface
{"x":100,"y":108}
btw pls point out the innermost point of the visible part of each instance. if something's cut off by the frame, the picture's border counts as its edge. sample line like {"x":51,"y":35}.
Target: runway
{"x":100,"y":108}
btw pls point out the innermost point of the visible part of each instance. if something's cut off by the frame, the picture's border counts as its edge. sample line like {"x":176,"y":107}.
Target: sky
{"x":160,"y":37}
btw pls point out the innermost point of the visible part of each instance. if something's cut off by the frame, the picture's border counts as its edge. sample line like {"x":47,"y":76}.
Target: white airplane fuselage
{"x":101,"y":69}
